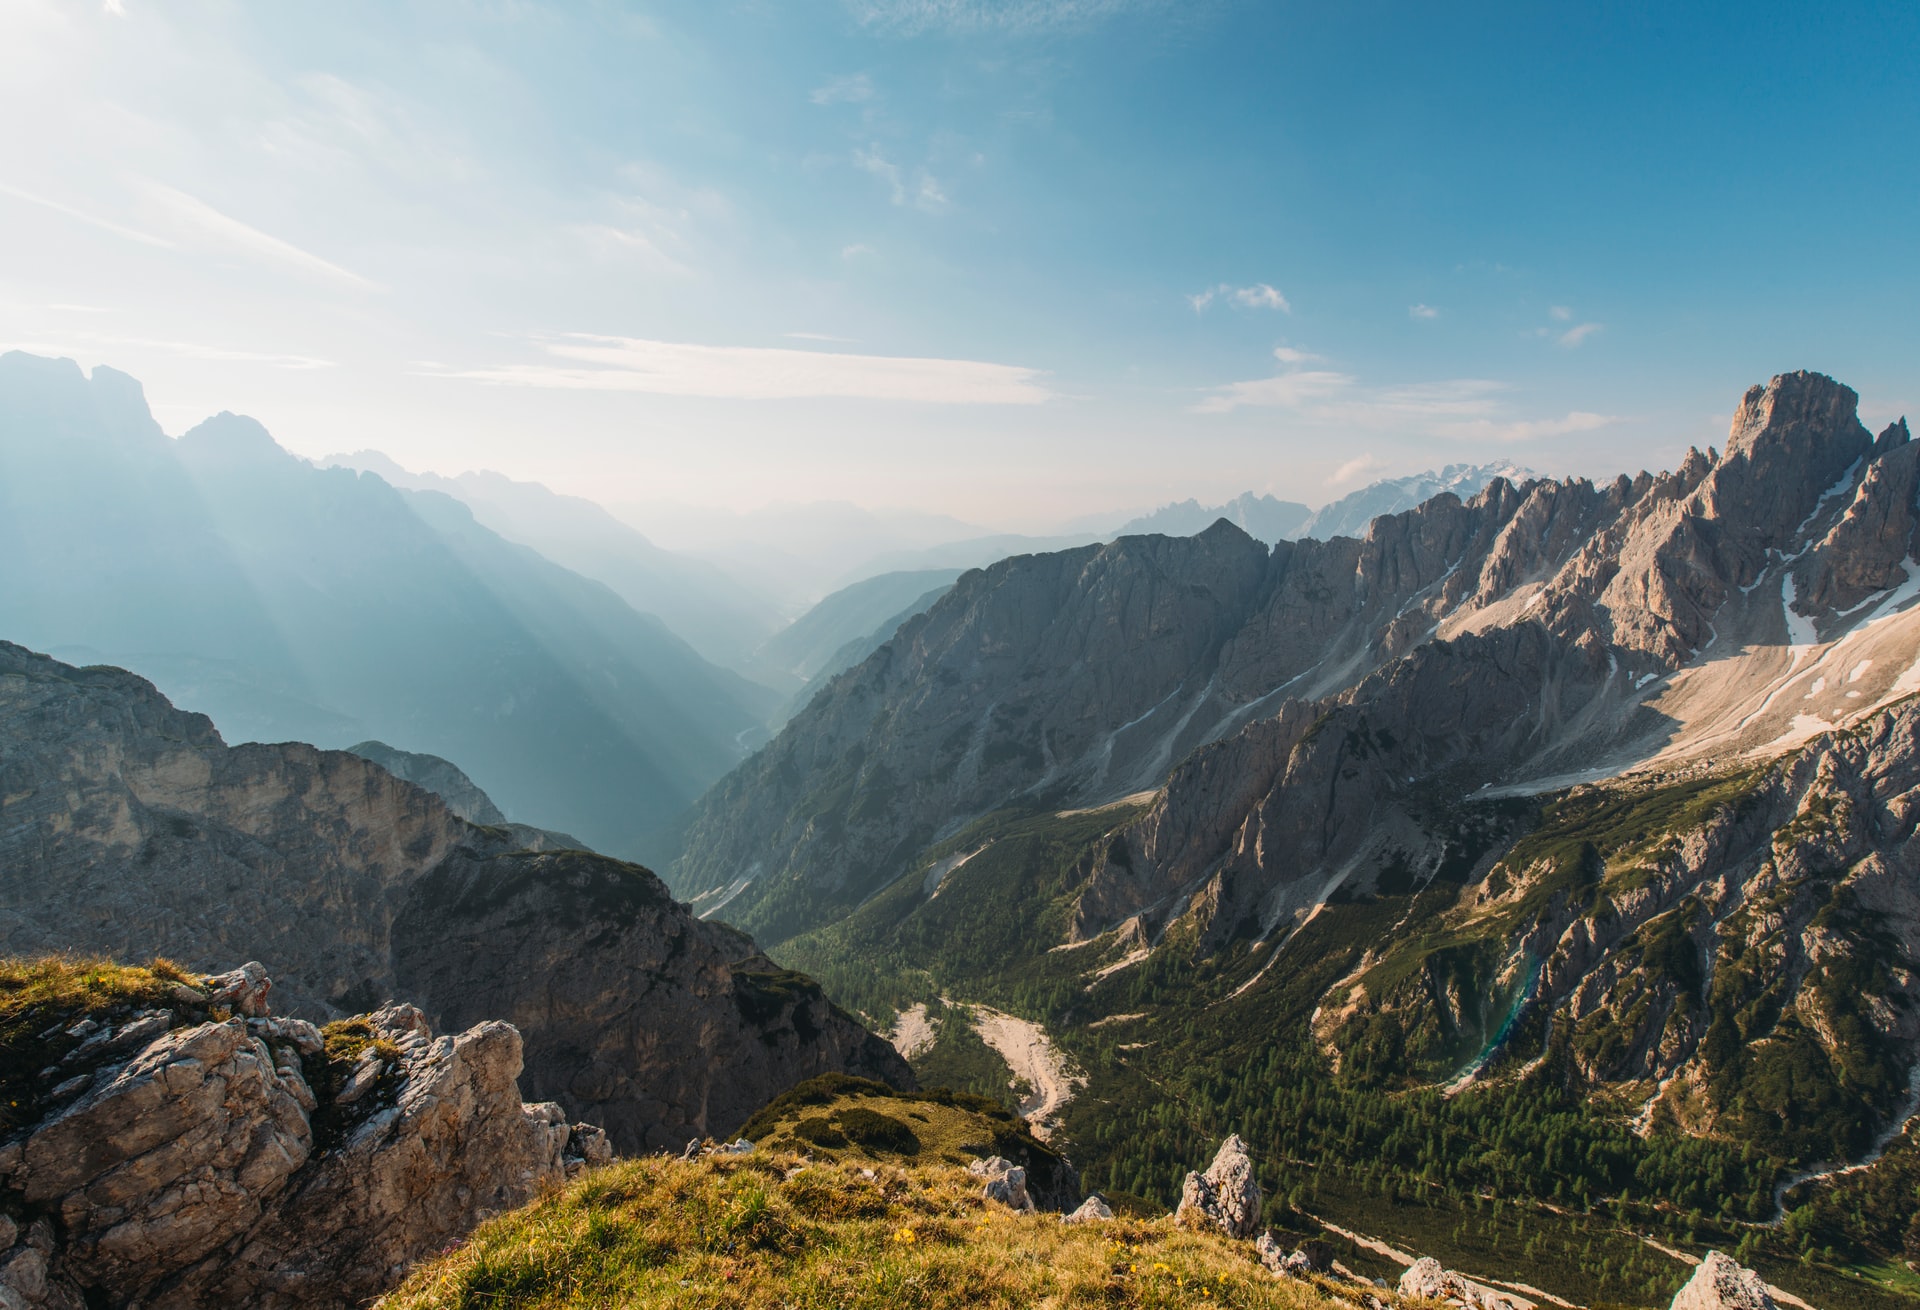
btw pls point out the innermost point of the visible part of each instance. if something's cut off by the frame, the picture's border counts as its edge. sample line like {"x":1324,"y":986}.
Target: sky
{"x":1017,"y":261}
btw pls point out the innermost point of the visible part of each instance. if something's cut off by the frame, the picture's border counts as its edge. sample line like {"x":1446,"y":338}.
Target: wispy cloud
{"x":91,"y":220}
{"x":909,"y":17}
{"x":855,"y":89}
{"x":674,"y":368}
{"x":1257,"y":296}
{"x":925,"y":193}
{"x":246,"y":240}
{"x":1465,"y":409}
{"x":1575,"y":335}
{"x":1560,"y":313}
{"x":818,"y":336}
{"x":635,"y":241}
{"x":1288,"y":355}
{"x":856,"y":250}
{"x":1360,"y":466}
{"x":85,"y":343}
{"x":1422,"y":311}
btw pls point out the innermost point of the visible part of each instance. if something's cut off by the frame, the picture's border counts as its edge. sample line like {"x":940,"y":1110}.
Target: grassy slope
{"x":769,"y":1231}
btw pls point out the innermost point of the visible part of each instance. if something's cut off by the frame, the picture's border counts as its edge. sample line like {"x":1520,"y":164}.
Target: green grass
{"x":769,"y":1231}
{"x":42,"y":997}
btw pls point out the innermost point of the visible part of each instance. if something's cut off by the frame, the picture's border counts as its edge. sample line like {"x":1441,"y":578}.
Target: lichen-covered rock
{"x":1721,"y":1283}
{"x":201,"y":1168}
{"x":1226,"y":1196}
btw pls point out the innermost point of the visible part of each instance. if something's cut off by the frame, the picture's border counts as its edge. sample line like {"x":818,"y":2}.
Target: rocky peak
{"x":229,"y":440}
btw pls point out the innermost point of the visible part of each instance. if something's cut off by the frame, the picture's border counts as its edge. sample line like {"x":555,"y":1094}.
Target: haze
{"x":1014,"y":261}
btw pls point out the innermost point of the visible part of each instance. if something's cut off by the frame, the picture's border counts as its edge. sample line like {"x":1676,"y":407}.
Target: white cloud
{"x":909,"y":17}
{"x":1285,"y":391}
{"x":238,"y":236}
{"x":91,"y":220}
{"x":672,"y":368}
{"x":1261,"y":296}
{"x":1257,"y":296}
{"x":926,"y":193}
{"x":1463,"y":409}
{"x":1575,"y":335}
{"x":855,"y":250}
{"x":1358,"y":467}
{"x":872,"y":161}
{"x":856,"y":89}
{"x":1561,"y":313}
{"x":818,"y":336}
{"x":929,"y":195}
{"x":1288,"y":355}
{"x":90,"y":343}
{"x":1422,"y":311}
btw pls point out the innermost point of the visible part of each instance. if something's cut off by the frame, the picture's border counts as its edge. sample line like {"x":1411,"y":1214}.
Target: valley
{"x":1546,"y":910}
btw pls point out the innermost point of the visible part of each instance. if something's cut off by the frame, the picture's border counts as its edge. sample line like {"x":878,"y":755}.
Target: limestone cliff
{"x":127,"y":826}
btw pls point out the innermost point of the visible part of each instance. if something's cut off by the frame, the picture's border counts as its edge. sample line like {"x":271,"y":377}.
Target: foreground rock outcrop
{"x":128,"y":826}
{"x":1225,"y":1196}
{"x":190,"y":1156}
{"x":1721,"y":1283}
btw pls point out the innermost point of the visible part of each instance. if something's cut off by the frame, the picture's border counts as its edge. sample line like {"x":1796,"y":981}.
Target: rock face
{"x":201,"y":1167}
{"x":443,"y":778}
{"x":128,"y":827}
{"x":1722,"y":1284}
{"x":1225,"y":1196}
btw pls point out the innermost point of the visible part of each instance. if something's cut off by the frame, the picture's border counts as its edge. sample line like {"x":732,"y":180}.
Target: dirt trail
{"x":1033,"y":1058}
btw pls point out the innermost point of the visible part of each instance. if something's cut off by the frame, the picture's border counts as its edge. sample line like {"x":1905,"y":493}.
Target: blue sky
{"x":1014,"y":260}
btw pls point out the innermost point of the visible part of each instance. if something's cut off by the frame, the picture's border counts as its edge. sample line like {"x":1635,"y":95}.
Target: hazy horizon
{"x":1013,"y":261}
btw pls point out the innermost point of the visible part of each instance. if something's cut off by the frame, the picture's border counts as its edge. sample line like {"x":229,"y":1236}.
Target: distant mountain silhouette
{"x":1261,"y":517}
{"x":843,"y":630}
{"x":288,"y":601}
{"x":1351,"y":514}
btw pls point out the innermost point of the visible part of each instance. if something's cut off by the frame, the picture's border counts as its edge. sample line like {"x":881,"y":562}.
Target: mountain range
{"x":1561,"y":799}
{"x":291,"y":602}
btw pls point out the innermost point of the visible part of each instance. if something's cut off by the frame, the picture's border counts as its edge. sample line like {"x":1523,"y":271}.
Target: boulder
{"x":1426,"y":1277}
{"x":1310,"y":1258}
{"x":1006,"y":1183}
{"x":1226,"y":1196}
{"x":1091,"y":1210}
{"x":1721,"y":1283}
